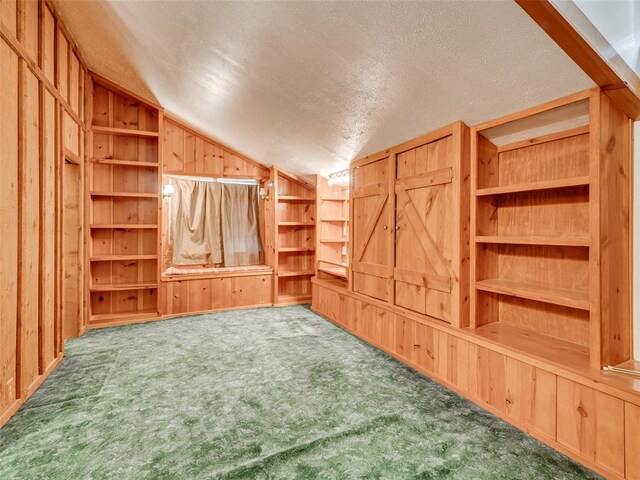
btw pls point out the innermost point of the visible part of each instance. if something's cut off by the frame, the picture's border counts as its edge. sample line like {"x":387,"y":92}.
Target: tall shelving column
{"x":124,"y":204}
{"x":332,"y":231}
{"x":295,"y":219}
{"x":549,"y":186}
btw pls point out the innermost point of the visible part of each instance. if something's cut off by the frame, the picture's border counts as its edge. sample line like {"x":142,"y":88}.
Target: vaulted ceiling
{"x":310,"y":86}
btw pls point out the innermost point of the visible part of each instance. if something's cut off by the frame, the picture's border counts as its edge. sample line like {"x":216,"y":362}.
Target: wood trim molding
{"x":565,"y":23}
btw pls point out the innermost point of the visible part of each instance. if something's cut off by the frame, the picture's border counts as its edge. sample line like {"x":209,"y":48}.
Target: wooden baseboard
{"x":15,"y":406}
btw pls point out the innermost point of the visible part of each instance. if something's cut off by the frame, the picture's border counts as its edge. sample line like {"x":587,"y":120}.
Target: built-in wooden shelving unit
{"x":124,"y":207}
{"x":542,"y":225}
{"x":294,"y":251}
{"x":332,"y":230}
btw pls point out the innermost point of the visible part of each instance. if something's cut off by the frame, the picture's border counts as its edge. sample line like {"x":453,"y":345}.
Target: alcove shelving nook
{"x":295,"y":220}
{"x":124,"y":206}
{"x":332,"y":232}
{"x":550,"y":231}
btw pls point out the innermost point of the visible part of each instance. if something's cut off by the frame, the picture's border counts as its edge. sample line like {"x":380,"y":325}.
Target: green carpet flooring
{"x":266,"y":393}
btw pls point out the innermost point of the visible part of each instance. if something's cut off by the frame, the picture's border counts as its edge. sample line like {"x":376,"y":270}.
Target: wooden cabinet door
{"x":371,"y":254}
{"x":425,"y":229}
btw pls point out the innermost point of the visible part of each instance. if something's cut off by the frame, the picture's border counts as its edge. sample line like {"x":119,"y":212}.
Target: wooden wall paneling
{"x":48,"y":230}
{"x":198,"y":295}
{"x":30,"y":37}
{"x":31,"y":116}
{"x":632,"y":440}
{"x":71,"y":268}
{"x":63,"y":65}
{"x":28,"y":318}
{"x":590,"y":423}
{"x":74,"y":82}
{"x":487,"y":376}
{"x":189,"y":152}
{"x":9,"y":192}
{"x":9,"y":16}
{"x":531,"y":397}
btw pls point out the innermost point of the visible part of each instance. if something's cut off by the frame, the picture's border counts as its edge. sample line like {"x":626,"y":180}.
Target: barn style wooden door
{"x":428,"y":226}
{"x":371,"y":234}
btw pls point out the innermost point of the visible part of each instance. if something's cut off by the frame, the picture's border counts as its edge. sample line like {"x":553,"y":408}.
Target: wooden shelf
{"x":113,"y":258}
{"x":333,"y":240}
{"x":102,"y":317}
{"x":125,"y":194}
{"x":334,"y":219}
{"x":336,"y":282}
{"x":124,"y":131}
{"x":292,"y":224}
{"x":125,"y":163}
{"x":295,"y":198}
{"x":334,"y":199}
{"x":336,"y":271}
{"x":534,"y":240}
{"x":535,"y":186}
{"x":124,"y":226}
{"x":337,"y":264}
{"x":545,"y":347}
{"x":295,"y":273}
{"x":123,"y":286}
{"x":293,"y":299}
{"x":296,"y":249}
{"x":558,"y":296}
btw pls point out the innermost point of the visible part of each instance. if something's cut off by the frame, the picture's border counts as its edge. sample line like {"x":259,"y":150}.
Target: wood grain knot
{"x":611,"y":144}
{"x":583,"y":413}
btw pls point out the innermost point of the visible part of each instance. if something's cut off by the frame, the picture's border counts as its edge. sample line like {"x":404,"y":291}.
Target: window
{"x":214,"y":222}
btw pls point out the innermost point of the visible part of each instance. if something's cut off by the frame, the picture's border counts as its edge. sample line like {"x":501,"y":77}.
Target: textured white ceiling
{"x":310,"y":86}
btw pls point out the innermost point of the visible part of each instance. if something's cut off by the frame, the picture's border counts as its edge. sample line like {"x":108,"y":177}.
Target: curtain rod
{"x":237,"y":181}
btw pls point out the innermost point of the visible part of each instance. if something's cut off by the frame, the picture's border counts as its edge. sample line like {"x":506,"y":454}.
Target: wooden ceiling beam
{"x":575,"y":34}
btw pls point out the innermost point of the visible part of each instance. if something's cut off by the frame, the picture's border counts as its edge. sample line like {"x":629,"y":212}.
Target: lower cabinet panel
{"x":592,"y":427}
{"x":211,"y":294}
{"x":531,"y":397}
{"x":591,"y":423}
{"x":632,"y":440}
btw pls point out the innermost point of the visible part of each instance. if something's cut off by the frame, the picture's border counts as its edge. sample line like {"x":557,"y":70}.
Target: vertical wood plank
{"x":632,"y":440}
{"x":9,"y":191}
{"x":48,"y":235}
{"x":9,"y":16}
{"x":531,"y":397}
{"x":591,"y":423}
{"x":29,"y":229}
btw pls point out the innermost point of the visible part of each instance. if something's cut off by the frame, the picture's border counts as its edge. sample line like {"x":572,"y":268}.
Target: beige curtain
{"x":195,"y":235}
{"x":213,"y":223}
{"x":240,"y":230}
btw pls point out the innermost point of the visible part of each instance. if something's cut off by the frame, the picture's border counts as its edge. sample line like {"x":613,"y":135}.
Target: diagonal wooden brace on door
{"x":371,"y":224}
{"x":426,"y":242}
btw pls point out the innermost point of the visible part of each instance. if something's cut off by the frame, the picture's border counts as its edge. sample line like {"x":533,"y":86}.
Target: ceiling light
{"x":339,"y":178}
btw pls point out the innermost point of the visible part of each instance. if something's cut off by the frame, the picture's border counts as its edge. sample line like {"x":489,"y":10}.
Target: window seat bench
{"x":175,"y":274}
